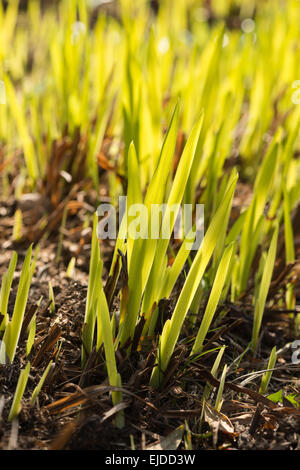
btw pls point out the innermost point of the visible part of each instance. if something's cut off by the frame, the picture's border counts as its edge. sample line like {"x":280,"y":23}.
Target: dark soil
{"x":74,"y":409}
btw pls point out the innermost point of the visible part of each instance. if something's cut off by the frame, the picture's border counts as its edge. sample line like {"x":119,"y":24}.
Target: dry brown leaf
{"x":170,"y":442}
{"x":213,"y":417}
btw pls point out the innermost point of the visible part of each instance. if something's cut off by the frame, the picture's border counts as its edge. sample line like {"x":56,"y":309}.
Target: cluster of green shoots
{"x":122,"y":78}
